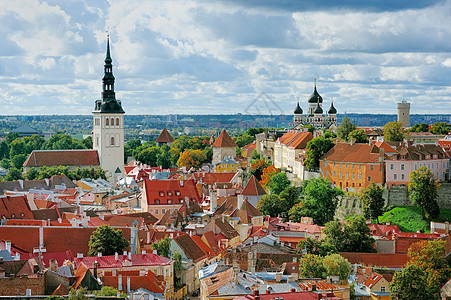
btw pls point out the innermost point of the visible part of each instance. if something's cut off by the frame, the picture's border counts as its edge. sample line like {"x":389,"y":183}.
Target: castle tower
{"x":404,"y":113}
{"x":224,"y":146}
{"x":108,"y":125}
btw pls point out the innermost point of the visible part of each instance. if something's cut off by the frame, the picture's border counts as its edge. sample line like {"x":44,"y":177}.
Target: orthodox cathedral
{"x":314,"y":115}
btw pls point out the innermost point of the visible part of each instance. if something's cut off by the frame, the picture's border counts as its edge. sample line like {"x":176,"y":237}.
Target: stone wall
{"x":349,"y":205}
{"x":399,"y":196}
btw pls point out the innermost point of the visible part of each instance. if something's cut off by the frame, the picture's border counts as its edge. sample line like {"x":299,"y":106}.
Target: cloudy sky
{"x":217,"y":57}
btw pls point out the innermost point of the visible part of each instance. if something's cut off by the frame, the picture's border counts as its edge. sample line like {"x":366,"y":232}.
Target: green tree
{"x":355,"y":237}
{"x":337,"y":265}
{"x":313,"y":246}
{"x":319,"y":201}
{"x":373,"y":202}
{"x":107,"y":241}
{"x":13,"y":174}
{"x":423,"y":127}
{"x":289,"y":197}
{"x":17,"y":147}
{"x":87,"y":142}
{"x":243,"y":140}
{"x":423,"y":187}
{"x":32,"y":174}
{"x":345,"y":128}
{"x":164,"y":158}
{"x":149,"y":156}
{"x":393,"y":132}
{"x":270,"y":205}
{"x":358,"y":135}
{"x":410,"y":284}
{"x":109,"y":291}
{"x":78,"y":294}
{"x":279,"y":182}
{"x":18,"y":160}
{"x":178,"y":267}
{"x":311,"y":266}
{"x":34,"y":142}
{"x":11,"y":137}
{"x":253,"y":131}
{"x":441,"y":128}
{"x":162,"y":247}
{"x":316,"y":148}
{"x":208,"y":151}
{"x":4,"y":150}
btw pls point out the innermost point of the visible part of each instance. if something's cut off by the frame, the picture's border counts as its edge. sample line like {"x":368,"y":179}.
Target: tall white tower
{"x":108,"y":125}
{"x":404,"y":113}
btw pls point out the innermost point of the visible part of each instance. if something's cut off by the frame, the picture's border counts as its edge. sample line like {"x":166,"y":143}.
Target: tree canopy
{"x":345,"y":128}
{"x":279,"y":182}
{"x":316,"y":148}
{"x":373,"y":202}
{"x":355,"y":237}
{"x":107,"y":240}
{"x":314,"y":246}
{"x":163,"y":247}
{"x":423,"y":187}
{"x":358,"y":135}
{"x":319,"y":201}
{"x":393,"y":132}
{"x":191,"y":158}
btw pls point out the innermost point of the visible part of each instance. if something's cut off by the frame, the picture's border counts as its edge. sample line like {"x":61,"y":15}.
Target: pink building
{"x":410,"y":158}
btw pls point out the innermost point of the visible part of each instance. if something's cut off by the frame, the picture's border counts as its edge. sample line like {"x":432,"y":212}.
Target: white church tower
{"x":108,"y":125}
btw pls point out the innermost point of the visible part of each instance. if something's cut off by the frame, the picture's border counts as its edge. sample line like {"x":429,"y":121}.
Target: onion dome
{"x":298,"y":110}
{"x":318,"y":110}
{"x":315,"y":97}
{"x":332,"y":110}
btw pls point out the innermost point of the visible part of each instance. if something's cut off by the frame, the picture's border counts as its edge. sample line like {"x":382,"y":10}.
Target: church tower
{"x":108,"y":125}
{"x":404,"y":113}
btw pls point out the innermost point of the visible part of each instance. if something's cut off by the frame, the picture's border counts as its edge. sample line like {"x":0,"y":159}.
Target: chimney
{"x":8,"y":246}
{"x":99,"y":254}
{"x":256,"y":295}
{"x":213,"y":201}
{"x":125,"y":253}
{"x":128,"y":285}
{"x":148,"y":237}
{"x":143,"y":252}
{"x":79,"y":255}
{"x":295,"y":259}
{"x":17,"y":256}
{"x":447,"y":227}
{"x":268,"y":291}
{"x":20,"y":181}
{"x":116,"y":256}
{"x":155,"y":251}
{"x":313,"y":287}
{"x":240,"y":201}
{"x":53,"y":265}
{"x":381,"y":155}
{"x":119,"y":282}
{"x":181,"y":182}
{"x":130,"y":256}
{"x":96,"y":266}
{"x":47,"y":181}
{"x":352,"y":141}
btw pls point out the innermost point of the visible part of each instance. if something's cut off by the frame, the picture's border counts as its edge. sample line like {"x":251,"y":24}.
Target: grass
{"x":408,"y":218}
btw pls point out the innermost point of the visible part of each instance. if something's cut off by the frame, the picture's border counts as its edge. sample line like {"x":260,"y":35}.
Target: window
{"x":107,"y":122}
{"x":325,"y":164}
{"x":156,"y":211}
{"x":112,"y":141}
{"x":382,"y":288}
{"x":402,"y":176}
{"x":112,"y":121}
{"x":402,"y":166}
{"x":395,"y":176}
{"x":369,"y":178}
{"x":177,"y":193}
{"x":163,"y":211}
{"x":169,"y":193}
{"x":360,"y":167}
{"x":97,"y":140}
{"x":353,"y":175}
{"x":346,"y":175}
{"x":157,"y":201}
{"x":97,"y":121}
{"x":346,"y":166}
{"x":360,"y":176}
{"x":340,"y":174}
{"x":353,"y":166}
{"x":327,"y":173}
{"x":391,"y":166}
{"x":371,"y":167}
{"x":169,"y":201}
{"x":117,"y":121}
{"x":161,"y":193}
{"x":335,"y":173}
{"x":334,"y":164}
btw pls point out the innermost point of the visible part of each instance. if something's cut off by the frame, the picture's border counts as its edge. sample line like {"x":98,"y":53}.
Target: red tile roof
{"x":250,"y":146}
{"x":296,"y":139}
{"x":224,"y":140}
{"x":197,"y":239}
{"x":357,"y":153}
{"x":169,"y":191}
{"x":165,"y":137}
{"x":39,"y":158}
{"x":389,"y":260}
{"x":150,"y":281}
{"x":253,"y":188}
{"x":246,"y":212}
{"x":372,"y":280}
{"x":137,"y":260}
{"x":212,"y":178}
{"x":211,"y":241}
{"x":15,"y":207}
{"x":387,"y":148}
{"x":191,"y":249}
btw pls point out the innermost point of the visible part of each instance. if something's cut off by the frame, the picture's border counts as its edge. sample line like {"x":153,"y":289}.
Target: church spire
{"x":108,"y":78}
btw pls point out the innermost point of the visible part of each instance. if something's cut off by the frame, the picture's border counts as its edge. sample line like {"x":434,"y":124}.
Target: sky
{"x":225,"y":57}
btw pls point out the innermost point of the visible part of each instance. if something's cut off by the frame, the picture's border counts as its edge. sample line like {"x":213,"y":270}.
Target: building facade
{"x":223,"y":147}
{"x":108,"y":125}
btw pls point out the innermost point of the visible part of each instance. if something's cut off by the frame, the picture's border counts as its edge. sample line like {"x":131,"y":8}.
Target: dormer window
{"x":181,"y":200}
{"x":161,"y":194}
{"x":169,"y":193}
{"x":157,"y":201}
{"x":169,"y":201}
{"x":177,"y":193}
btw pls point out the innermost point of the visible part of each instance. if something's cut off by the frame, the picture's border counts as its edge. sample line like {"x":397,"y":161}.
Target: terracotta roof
{"x":150,"y":281}
{"x":137,"y":260}
{"x":213,"y":177}
{"x":419,"y":152}
{"x":253,"y":188}
{"x":250,"y":146}
{"x":198,"y":240}
{"x":15,"y":207}
{"x":39,"y":158}
{"x":389,"y":260}
{"x":173,"y":191}
{"x":191,"y":249}
{"x":165,"y":137}
{"x":80,"y":274}
{"x":147,"y":216}
{"x":387,"y":148}
{"x":211,"y":241}
{"x":246,"y":212}
{"x":124,"y":220}
{"x":60,"y":257}
{"x":225,"y":228}
{"x":296,"y":139}
{"x":356,"y":153}
{"x":372,"y":280}
{"x":224,"y":140}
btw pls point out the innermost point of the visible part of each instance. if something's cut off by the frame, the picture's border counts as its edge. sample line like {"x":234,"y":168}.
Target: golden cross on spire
{"x":315,"y":81}
{"x":107,"y":31}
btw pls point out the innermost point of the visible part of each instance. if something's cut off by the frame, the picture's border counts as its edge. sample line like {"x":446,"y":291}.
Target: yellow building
{"x":227,"y":165}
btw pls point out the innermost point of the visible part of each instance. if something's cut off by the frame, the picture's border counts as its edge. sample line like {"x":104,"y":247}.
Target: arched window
{"x":112,"y":121}
{"x":112,"y":141}
{"x":117,"y":121}
{"x":107,"y":122}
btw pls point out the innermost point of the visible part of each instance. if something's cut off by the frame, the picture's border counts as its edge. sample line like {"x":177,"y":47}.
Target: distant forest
{"x":190,"y":124}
